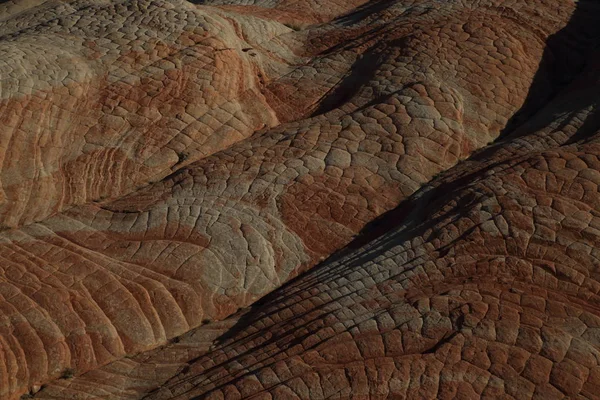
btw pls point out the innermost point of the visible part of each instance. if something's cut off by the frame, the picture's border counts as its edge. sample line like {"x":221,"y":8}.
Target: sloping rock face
{"x":489,"y":289}
{"x":166,"y":164}
{"x":100,"y":98}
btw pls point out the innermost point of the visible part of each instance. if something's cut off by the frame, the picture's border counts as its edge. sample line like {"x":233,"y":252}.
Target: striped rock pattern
{"x":166,"y":164}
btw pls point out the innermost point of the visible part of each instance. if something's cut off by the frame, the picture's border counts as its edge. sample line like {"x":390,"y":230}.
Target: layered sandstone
{"x":166,"y":164}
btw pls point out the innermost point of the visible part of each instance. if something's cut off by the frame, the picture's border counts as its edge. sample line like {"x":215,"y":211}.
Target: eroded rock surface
{"x":166,"y":164}
{"x":489,"y":289}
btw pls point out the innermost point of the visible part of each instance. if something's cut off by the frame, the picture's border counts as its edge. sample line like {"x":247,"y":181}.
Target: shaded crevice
{"x":564,"y":59}
{"x":363,"y":70}
{"x":446,"y":339}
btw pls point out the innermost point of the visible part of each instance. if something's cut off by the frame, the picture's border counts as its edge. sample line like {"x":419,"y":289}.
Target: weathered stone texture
{"x":166,"y":164}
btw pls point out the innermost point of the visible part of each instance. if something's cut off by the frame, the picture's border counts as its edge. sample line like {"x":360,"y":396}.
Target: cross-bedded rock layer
{"x":489,"y":289}
{"x":166,"y":164}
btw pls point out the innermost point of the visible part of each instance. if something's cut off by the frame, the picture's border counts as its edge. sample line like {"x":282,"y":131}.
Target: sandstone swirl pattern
{"x":166,"y":164}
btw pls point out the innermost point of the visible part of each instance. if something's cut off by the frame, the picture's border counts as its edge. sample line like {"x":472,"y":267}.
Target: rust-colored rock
{"x":166,"y":164}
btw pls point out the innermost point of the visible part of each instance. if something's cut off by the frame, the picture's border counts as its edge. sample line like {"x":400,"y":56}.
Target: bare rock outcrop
{"x":166,"y":164}
{"x":489,"y":289}
{"x":98,"y":98}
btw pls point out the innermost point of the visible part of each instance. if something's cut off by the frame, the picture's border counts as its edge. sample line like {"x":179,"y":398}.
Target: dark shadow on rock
{"x":361,"y":72}
{"x":565,"y":57}
{"x":369,"y":8}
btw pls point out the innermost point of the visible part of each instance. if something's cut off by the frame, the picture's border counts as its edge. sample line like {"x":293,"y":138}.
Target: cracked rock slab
{"x":167,"y":164}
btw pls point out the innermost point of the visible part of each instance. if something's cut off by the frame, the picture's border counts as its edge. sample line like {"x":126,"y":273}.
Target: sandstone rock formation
{"x":167,"y":164}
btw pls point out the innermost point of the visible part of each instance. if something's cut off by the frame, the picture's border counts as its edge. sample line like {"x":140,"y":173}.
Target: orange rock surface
{"x":299,"y":199}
